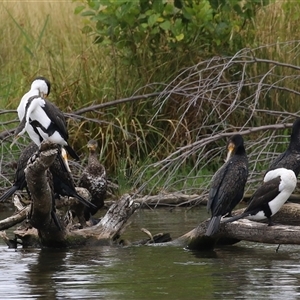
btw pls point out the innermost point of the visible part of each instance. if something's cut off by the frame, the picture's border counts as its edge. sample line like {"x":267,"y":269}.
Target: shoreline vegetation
{"x":170,"y":135}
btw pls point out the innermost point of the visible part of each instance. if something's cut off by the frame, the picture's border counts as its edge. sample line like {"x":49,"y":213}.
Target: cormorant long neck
{"x":240,"y":150}
{"x":295,"y":142}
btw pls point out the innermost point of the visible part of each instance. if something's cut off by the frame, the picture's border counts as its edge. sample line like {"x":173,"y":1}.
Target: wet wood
{"x":44,"y":231}
{"x":19,"y":216}
{"x":285,"y":231}
{"x":168,"y":199}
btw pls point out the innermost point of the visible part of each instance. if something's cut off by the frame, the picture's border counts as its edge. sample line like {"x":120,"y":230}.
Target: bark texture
{"x":45,"y":232}
{"x":285,"y":231}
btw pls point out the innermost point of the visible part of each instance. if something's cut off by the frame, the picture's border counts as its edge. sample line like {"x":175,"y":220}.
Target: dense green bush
{"x":143,"y":29}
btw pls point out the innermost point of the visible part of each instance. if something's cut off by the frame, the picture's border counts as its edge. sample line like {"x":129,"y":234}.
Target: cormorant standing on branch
{"x":41,"y":87}
{"x":228,"y":183}
{"x":63,"y":184}
{"x":277,"y":187}
{"x":42,"y":119}
{"x":19,"y":179}
{"x":94,"y":180}
{"x":290,"y":159}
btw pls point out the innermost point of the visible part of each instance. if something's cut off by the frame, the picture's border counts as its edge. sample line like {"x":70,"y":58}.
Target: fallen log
{"x":46,"y":232}
{"x":285,"y":231}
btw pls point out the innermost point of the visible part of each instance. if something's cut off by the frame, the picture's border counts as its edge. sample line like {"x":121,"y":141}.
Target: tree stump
{"x":45,"y":232}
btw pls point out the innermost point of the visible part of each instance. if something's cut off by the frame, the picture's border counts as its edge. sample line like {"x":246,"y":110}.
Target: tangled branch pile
{"x":190,"y":120}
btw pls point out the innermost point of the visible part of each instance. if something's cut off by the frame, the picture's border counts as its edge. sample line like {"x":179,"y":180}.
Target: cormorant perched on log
{"x":228,"y":183}
{"x":290,"y":159}
{"x":41,"y":87}
{"x":63,"y":184}
{"x":94,"y":180}
{"x":43,"y":121}
{"x":267,"y":200}
{"x":19,"y":179}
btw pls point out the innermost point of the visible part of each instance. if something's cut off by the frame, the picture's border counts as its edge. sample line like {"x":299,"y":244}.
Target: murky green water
{"x":243,"y":271}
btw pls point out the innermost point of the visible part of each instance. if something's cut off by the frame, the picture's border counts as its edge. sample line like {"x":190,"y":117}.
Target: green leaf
{"x":88,"y":13}
{"x":79,"y":9}
{"x":99,"y":39}
{"x":86,"y":29}
{"x":179,"y":37}
{"x":166,"y":25}
{"x":153,"y":19}
{"x":158,"y":6}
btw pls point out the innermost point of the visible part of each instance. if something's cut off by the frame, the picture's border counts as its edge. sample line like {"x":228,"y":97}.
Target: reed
{"x":46,"y":38}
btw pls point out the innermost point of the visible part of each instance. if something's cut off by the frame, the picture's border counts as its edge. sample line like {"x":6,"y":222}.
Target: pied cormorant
{"x":94,"y":180}
{"x":228,"y":183}
{"x":290,"y":159}
{"x":40,"y":86}
{"x":45,"y":121}
{"x":267,"y":200}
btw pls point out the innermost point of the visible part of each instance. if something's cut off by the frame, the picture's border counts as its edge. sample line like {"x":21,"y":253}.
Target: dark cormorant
{"x":63,"y":183}
{"x":94,"y":180}
{"x":277,"y":187}
{"x":19,"y":179}
{"x":228,"y":183}
{"x":290,"y":159}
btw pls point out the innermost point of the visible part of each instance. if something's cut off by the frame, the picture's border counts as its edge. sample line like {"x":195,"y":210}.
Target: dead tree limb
{"x":37,"y":177}
{"x":16,"y":218}
{"x":45,"y":232}
{"x":287,"y":232}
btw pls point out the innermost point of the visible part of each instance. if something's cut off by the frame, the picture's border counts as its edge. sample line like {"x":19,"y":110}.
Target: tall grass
{"x":45,"y":38}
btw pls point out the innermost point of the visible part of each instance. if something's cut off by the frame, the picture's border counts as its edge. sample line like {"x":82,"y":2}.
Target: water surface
{"x":242,"y":271}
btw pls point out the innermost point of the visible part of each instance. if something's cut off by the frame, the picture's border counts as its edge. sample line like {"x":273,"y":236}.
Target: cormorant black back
{"x":228,"y":183}
{"x":267,"y":200}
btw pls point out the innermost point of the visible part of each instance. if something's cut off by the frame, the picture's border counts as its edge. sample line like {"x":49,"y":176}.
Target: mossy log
{"x":285,"y":231}
{"x":47,"y":233}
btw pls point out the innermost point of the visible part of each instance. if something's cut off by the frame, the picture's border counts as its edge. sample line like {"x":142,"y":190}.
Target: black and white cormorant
{"x":45,"y":121}
{"x":41,"y":87}
{"x":94,"y":180}
{"x":290,"y":159}
{"x":228,"y":183}
{"x":63,"y":183}
{"x":267,"y":200}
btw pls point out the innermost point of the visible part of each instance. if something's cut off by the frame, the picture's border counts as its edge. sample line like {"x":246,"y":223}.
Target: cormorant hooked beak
{"x":43,"y":95}
{"x":65,"y":158}
{"x":230,"y":149}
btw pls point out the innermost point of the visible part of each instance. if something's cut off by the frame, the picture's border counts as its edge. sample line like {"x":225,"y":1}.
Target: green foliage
{"x":143,"y":29}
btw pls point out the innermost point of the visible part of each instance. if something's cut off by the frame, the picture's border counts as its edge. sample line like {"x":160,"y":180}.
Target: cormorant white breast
{"x":267,"y":200}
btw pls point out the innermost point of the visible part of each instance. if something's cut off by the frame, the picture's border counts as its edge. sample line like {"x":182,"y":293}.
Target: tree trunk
{"x":286,"y":231}
{"x":46,"y":233}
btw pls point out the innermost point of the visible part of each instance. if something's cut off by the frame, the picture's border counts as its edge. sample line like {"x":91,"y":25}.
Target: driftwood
{"x":285,"y":231}
{"x":47,"y":233}
{"x":44,"y":232}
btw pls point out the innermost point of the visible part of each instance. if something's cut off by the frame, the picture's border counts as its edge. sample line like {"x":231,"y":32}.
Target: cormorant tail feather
{"x":213,"y":225}
{"x":9,"y":193}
